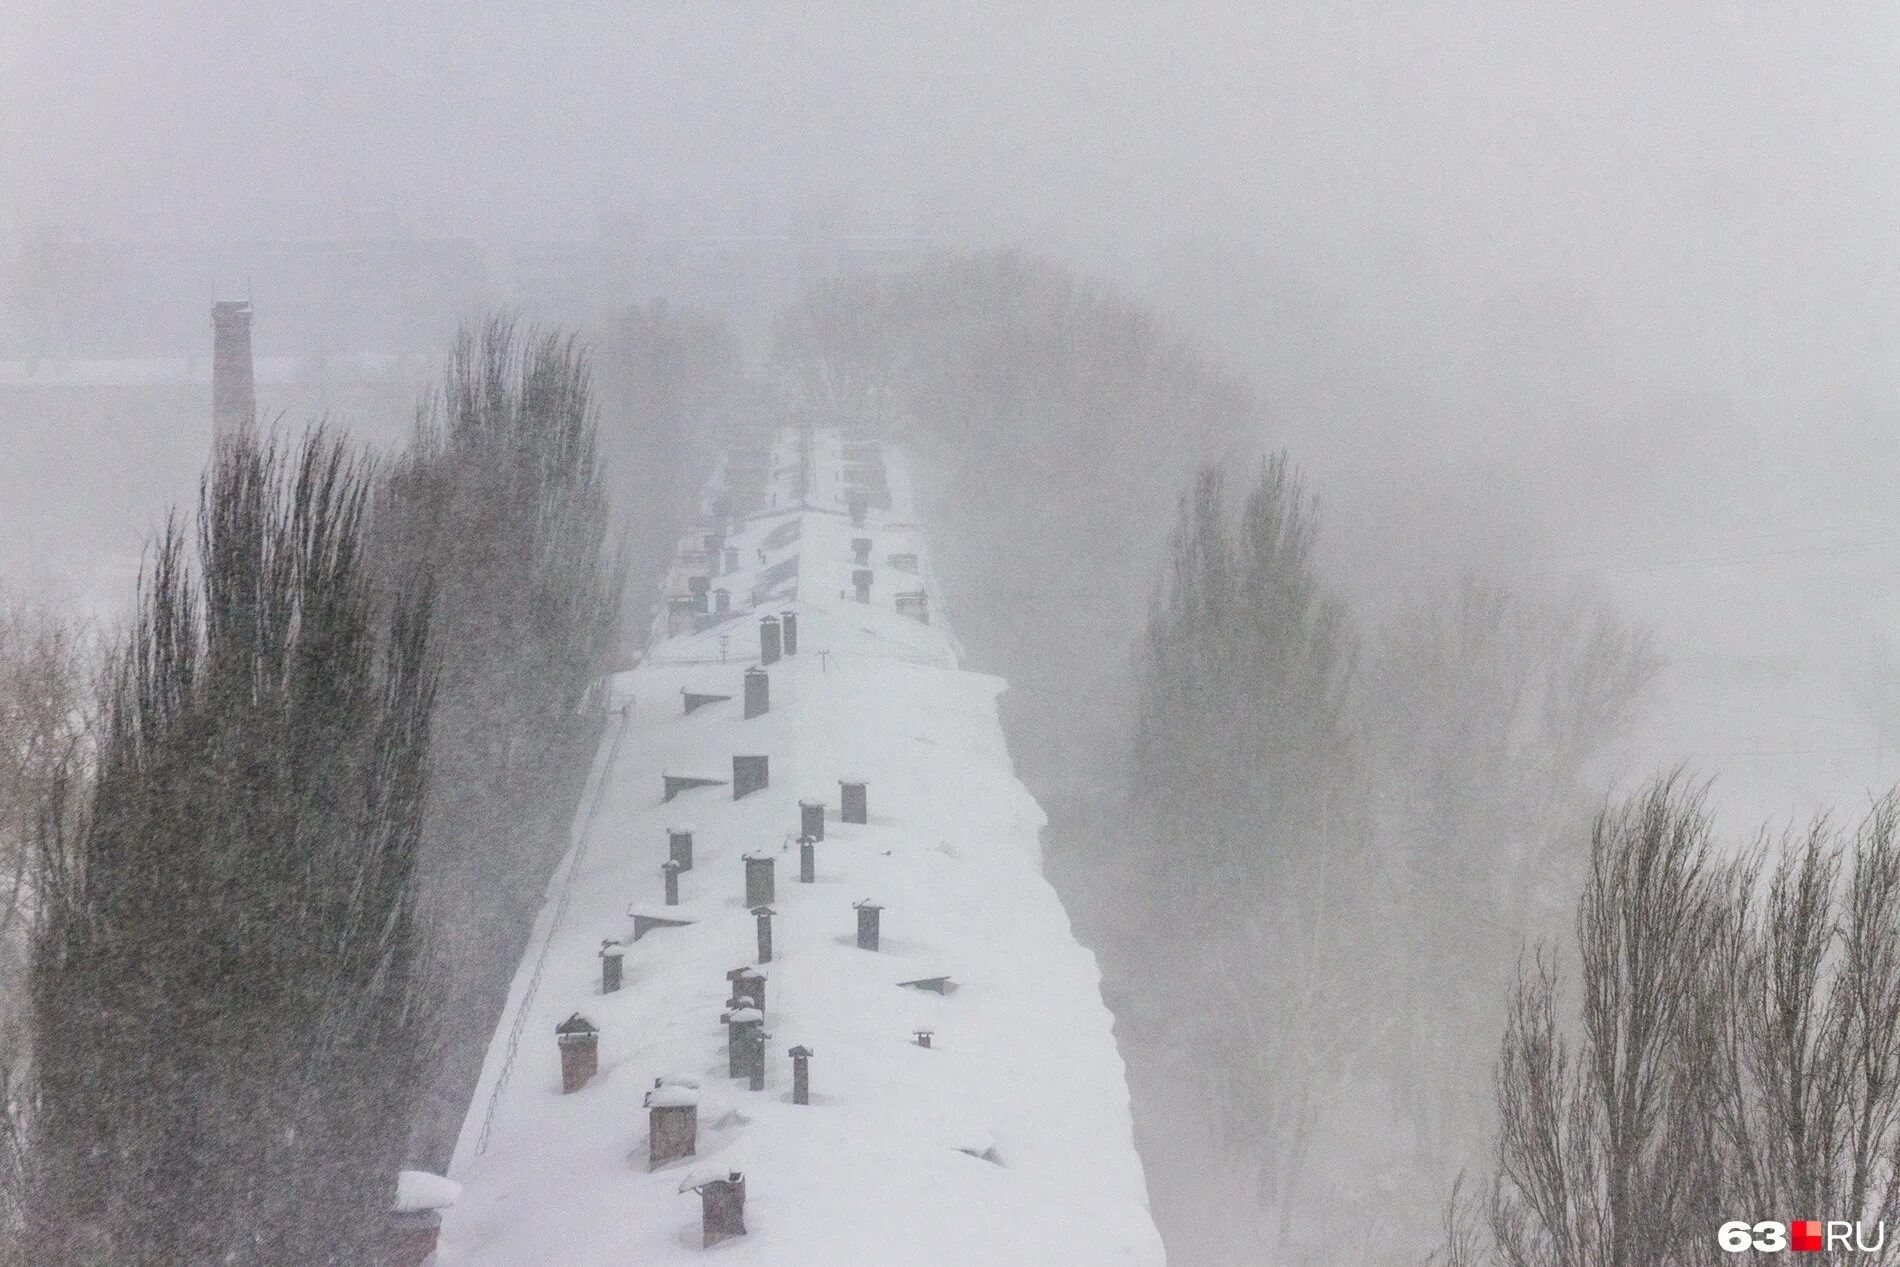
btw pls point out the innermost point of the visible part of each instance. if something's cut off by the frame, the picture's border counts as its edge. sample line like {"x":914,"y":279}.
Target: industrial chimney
{"x":233,"y":382}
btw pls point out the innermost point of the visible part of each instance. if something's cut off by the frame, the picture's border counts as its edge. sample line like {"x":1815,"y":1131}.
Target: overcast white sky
{"x":1541,"y":285}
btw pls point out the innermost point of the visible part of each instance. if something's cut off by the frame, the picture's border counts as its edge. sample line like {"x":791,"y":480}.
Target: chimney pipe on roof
{"x":745,"y":1038}
{"x":679,"y":846}
{"x":579,"y":1040}
{"x":233,"y":381}
{"x":861,"y":551}
{"x":750,"y":773}
{"x":612,"y":958}
{"x":760,"y":889}
{"x":764,"y":915}
{"x":811,"y":820}
{"x":670,"y":869}
{"x":867,"y":924}
{"x":758,"y":693}
{"x":861,"y":584}
{"x":722,"y":1208}
{"x":801,"y":1074}
{"x":807,"y":860}
{"x":748,"y":986}
{"x":769,"y":644}
{"x":853,"y":801}
{"x":672,"y":1122}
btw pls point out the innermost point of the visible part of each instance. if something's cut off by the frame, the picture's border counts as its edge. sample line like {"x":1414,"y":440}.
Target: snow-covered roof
{"x":1008,"y":1142}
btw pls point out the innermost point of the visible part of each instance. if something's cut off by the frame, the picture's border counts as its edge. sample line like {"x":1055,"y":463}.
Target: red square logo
{"x":1805,"y":1235}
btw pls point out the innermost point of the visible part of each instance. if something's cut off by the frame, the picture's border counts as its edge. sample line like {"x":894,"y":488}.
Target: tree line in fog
{"x":1365,"y":902}
{"x":271,"y":854}
{"x":1378,"y":931}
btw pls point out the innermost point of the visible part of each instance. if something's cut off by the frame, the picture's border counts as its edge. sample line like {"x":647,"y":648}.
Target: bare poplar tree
{"x":1483,"y":715}
{"x":1250,"y":860}
{"x":1736,"y":1052}
{"x":45,"y":706}
{"x":229,"y":997}
{"x":499,"y":501}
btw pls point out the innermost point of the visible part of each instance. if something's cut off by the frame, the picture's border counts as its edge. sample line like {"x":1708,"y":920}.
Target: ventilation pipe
{"x":923,"y":1037}
{"x":769,"y":641}
{"x":670,"y":869}
{"x":861,"y":551}
{"x":612,"y":957}
{"x":758,"y":693}
{"x":807,"y":860}
{"x":722,"y":601}
{"x":729,"y":559}
{"x":745,"y":1038}
{"x":763,"y":914}
{"x":801,"y":1074}
{"x":679,"y":846}
{"x":579,"y":1039}
{"x":755,"y":1060}
{"x":679,"y":615}
{"x":788,"y":629}
{"x":861,"y":584}
{"x":857,"y":503}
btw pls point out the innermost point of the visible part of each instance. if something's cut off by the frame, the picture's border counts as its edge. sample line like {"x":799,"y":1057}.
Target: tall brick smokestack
{"x":233,"y":384}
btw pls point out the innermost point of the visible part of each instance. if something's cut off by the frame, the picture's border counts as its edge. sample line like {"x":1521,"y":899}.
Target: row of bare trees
{"x":1728,"y":1048}
{"x":273,"y":883}
{"x":1280,"y":825}
{"x":45,"y":714}
{"x":1337,"y":841}
{"x":499,"y":500}
{"x":229,"y":1000}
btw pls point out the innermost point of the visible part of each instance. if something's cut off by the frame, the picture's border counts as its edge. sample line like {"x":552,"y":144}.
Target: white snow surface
{"x":1006,"y":1142}
{"x":418,"y":1190}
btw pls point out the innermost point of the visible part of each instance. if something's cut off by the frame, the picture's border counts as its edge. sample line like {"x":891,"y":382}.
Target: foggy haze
{"x":1593,"y":299}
